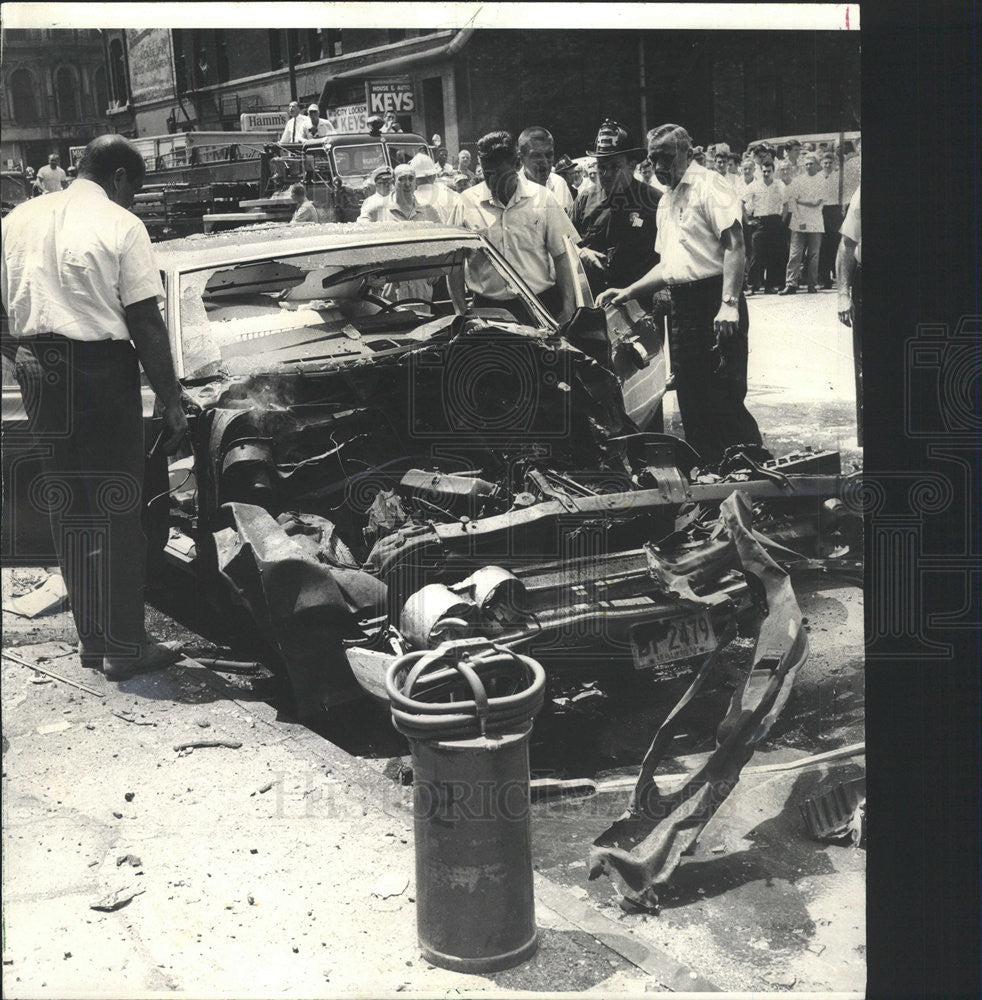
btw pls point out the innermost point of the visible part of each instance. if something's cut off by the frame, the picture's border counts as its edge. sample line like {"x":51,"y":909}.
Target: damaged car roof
{"x":209,"y":250}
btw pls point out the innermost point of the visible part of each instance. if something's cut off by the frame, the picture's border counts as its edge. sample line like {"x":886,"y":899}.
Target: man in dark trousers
{"x":616,"y":218}
{"x":82,"y":292}
{"x":700,"y":242}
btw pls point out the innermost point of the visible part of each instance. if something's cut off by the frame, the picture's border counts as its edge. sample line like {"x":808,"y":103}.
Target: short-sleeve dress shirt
{"x":293,"y":131}
{"x":72,"y":262}
{"x":528,"y":232}
{"x":692,"y":218}
{"x":807,"y":218}
{"x":558,"y":188}
{"x":766,"y":199}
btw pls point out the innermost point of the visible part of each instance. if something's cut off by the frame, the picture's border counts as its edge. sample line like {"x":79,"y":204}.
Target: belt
{"x":95,"y":348}
{"x":685,"y":286}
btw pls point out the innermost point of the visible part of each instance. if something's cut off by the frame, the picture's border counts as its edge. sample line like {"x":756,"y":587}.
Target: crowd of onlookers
{"x":794,"y":196}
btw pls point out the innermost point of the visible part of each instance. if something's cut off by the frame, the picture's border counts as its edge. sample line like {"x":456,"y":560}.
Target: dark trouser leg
{"x":753,"y":239}
{"x":832,"y":217}
{"x":772,"y":250}
{"x":710,"y":397}
{"x":84,"y":404}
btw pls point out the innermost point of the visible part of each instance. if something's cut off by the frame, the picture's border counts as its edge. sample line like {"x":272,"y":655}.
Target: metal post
{"x":290,"y":55}
{"x":644,"y":96}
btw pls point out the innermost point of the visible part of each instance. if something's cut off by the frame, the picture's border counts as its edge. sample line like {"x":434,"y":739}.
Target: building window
{"x":332,"y":43}
{"x":221,"y":56}
{"x":117,"y":72}
{"x":66,"y":94}
{"x":100,"y":88}
{"x":23,"y":105}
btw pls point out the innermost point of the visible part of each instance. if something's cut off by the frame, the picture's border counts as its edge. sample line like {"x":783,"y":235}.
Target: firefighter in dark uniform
{"x":616,"y":217}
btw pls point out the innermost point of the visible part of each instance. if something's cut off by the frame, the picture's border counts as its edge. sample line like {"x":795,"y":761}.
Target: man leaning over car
{"x":81,"y":289}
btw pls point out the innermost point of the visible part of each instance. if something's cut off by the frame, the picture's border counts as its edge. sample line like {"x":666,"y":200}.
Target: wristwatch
{"x":730,"y":300}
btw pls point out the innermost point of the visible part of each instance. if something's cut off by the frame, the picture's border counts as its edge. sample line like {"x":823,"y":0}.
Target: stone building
{"x":54,"y":93}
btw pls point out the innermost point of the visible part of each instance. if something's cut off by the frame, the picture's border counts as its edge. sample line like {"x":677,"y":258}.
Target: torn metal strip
{"x":646,"y":845}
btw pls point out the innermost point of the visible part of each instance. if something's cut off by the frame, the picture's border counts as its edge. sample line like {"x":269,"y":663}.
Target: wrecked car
{"x":377,"y":464}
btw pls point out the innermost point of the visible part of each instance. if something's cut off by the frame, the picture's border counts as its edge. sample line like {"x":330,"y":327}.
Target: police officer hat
{"x":564,"y":165}
{"x":613,"y":140}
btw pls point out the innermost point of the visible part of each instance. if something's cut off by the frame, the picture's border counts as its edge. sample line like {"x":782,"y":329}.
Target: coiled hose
{"x":416,"y":679}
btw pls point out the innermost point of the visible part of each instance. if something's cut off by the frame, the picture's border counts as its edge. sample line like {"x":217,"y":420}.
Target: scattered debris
{"x":202,"y":744}
{"x":118,"y":815}
{"x":203,"y":723}
{"x":49,"y":673}
{"x":250,"y":899}
{"x":265,"y":788}
{"x":116,"y":900}
{"x":131,"y":859}
{"x":549,"y":788}
{"x":391,"y":884}
{"x":232,"y":666}
{"x":838,"y":813}
{"x":55,"y":727}
{"x":130,"y":717}
{"x":48,"y":598}
{"x":129,"y":796}
{"x":785,"y":979}
{"x":253,"y":850}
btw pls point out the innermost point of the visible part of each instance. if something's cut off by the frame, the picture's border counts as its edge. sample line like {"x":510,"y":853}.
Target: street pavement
{"x":801,"y":386}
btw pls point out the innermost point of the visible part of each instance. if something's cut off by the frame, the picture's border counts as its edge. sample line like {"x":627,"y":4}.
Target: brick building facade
{"x":54,"y":93}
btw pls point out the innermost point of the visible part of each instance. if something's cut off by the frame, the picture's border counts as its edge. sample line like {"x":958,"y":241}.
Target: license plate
{"x":657,"y":643}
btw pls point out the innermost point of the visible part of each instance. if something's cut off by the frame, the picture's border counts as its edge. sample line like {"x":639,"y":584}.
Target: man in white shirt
{"x":316,"y":127}
{"x":764,"y":203}
{"x":538,"y":154}
{"x":521,"y":220}
{"x":51,"y":177}
{"x":848,"y":274}
{"x":700,"y":240}
{"x":295,"y":124}
{"x":430,"y":190}
{"x":306,"y":210}
{"x":805,"y":197}
{"x":82,"y":290}
{"x":383,"y":179}
{"x":831,"y":218}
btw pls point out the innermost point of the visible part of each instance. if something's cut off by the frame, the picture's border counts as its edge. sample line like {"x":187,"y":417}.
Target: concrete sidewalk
{"x":279,"y":866}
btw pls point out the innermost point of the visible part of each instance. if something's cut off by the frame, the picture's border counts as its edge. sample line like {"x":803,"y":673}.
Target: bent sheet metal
{"x":645,"y":846}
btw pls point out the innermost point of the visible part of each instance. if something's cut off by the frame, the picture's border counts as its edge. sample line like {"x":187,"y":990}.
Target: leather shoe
{"x":788,"y":290}
{"x":670,"y":383}
{"x":151,"y":657}
{"x":812,"y":289}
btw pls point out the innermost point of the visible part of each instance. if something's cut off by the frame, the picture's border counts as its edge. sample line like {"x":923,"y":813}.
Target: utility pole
{"x":291,"y":36}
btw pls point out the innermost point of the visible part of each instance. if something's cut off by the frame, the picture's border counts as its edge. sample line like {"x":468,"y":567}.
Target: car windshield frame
{"x":174,"y":287}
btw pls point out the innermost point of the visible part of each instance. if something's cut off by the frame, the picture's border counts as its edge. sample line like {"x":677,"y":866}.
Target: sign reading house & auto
{"x":390,"y":95}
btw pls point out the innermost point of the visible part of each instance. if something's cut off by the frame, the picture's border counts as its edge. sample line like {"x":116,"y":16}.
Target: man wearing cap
{"x":700,"y":240}
{"x":616,"y":220}
{"x":295,"y":124}
{"x":316,"y":127}
{"x":524,"y":222}
{"x":538,"y":153}
{"x":429,"y":191}
{"x":805,"y":197}
{"x":383,"y":179}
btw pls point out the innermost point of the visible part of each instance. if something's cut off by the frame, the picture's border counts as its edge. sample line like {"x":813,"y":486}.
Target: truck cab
{"x":336,"y":169}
